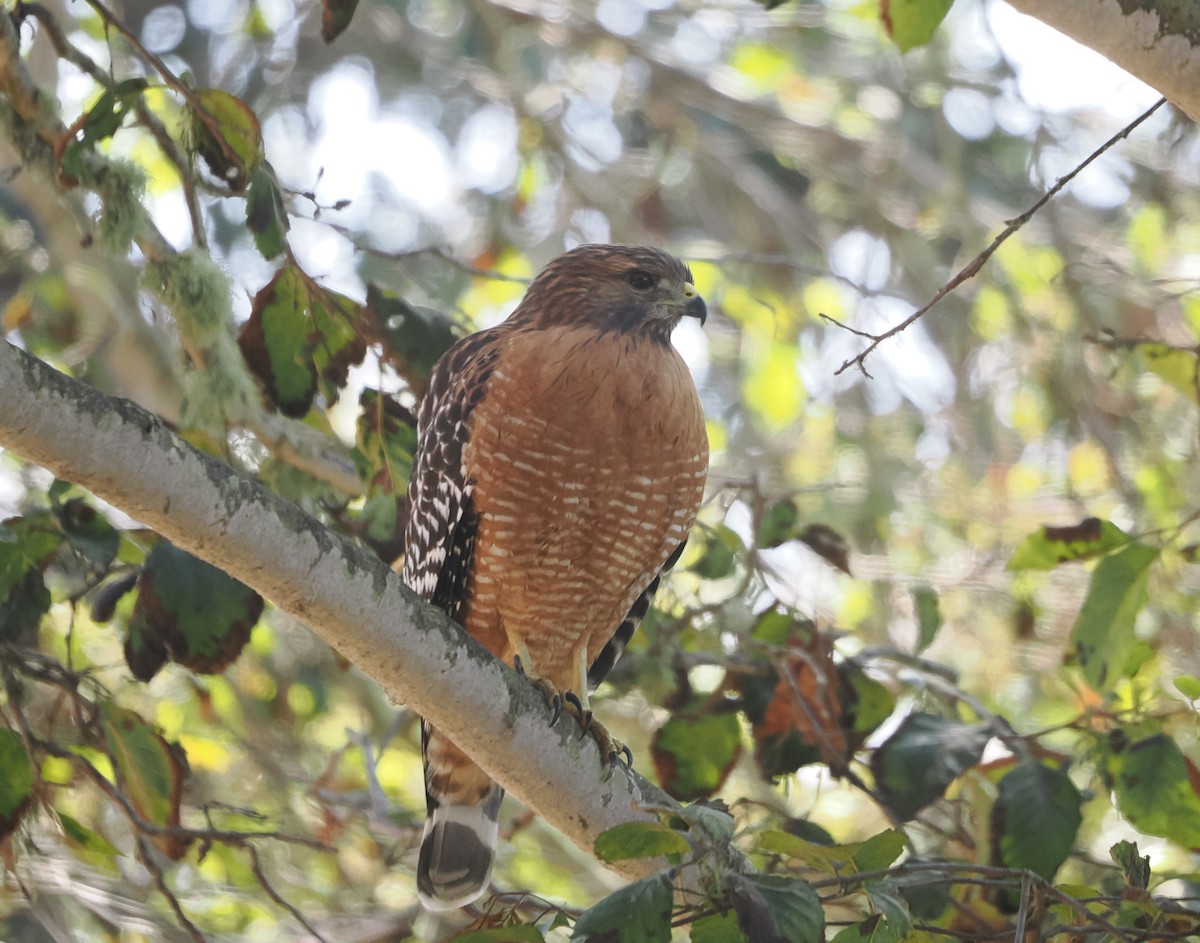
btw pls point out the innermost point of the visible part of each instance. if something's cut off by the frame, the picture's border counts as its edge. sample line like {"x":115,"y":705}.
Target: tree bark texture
{"x":1156,"y":41}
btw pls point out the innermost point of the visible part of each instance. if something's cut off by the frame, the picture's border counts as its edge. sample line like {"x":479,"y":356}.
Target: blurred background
{"x":820,"y":183}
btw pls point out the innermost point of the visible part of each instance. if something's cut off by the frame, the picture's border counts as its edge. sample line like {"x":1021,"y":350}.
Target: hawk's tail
{"x":459,"y":844}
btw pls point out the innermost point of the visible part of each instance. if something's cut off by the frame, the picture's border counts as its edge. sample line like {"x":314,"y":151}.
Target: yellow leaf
{"x":773,"y":388}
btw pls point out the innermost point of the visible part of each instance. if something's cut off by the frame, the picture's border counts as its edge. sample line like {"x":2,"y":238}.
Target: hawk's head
{"x":632,"y":289}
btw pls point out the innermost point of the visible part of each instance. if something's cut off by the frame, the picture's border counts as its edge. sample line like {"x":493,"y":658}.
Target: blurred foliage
{"x":934,"y":638}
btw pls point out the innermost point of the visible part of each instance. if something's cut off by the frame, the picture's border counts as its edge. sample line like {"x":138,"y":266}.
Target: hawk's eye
{"x":641,"y":280}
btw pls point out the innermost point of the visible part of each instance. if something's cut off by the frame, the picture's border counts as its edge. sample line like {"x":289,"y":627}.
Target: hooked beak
{"x":693,"y":305}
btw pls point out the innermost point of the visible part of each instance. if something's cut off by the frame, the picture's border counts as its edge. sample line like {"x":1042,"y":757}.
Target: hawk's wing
{"x":613,"y":650}
{"x":440,"y":535}
{"x":458,"y":845}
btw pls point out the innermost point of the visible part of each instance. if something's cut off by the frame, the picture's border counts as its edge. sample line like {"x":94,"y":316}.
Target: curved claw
{"x":619,"y":755}
{"x":556,"y":706}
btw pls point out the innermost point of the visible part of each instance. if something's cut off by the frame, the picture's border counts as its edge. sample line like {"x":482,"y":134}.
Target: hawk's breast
{"x":589,"y":456}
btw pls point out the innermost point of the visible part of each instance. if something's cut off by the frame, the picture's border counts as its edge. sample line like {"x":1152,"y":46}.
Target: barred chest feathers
{"x":589,"y":456}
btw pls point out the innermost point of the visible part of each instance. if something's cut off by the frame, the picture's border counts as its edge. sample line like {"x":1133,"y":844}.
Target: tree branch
{"x":1154,"y":41}
{"x":972,"y":268}
{"x":345,"y":594}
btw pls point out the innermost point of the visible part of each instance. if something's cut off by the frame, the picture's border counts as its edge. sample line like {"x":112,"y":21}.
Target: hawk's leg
{"x":552,"y":695}
{"x":612,"y":750}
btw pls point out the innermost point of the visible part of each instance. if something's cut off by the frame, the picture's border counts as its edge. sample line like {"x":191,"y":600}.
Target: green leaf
{"x":721,"y":548}
{"x":27,"y":547}
{"x":1048,"y":547}
{"x":89,"y":532}
{"x":102,"y":121}
{"x":149,"y":770}
{"x":774,"y":908}
{"x":225,"y":132}
{"x":778,"y":523}
{"x":912,"y":23}
{"x":83,"y":837}
{"x":522,"y":934}
{"x":16,"y":783}
{"x":709,"y":821}
{"x":26,"y":543}
{"x":929,"y":615}
{"x":885,"y":897}
{"x":924,"y":756}
{"x":1188,"y":686}
{"x":300,"y":340}
{"x":336,"y":344}
{"x":275,"y":342}
{"x":926,"y":900}
{"x":1102,"y":638}
{"x":875,"y":853}
{"x":1135,"y":867}
{"x":879,"y":851}
{"x":1154,"y":785}
{"x":266,"y":215}
{"x":640,"y":840}
{"x":105,"y":117}
{"x":189,"y":612}
{"x":693,"y":755}
{"x":717,"y":928}
{"x":413,"y":337}
{"x":868,"y":702}
{"x":335,"y":17}
{"x":1036,"y":818}
{"x":22,"y":609}
{"x":386,"y":438}
{"x":780,"y":626}
{"x":637,"y":913}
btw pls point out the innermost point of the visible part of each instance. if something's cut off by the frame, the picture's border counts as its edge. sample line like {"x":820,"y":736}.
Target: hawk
{"x":561,"y":459}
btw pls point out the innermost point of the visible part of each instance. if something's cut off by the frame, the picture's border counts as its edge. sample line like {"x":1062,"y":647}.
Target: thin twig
{"x":971,"y":269}
{"x":146,"y":856}
{"x":256,"y":867}
{"x":438,"y":252}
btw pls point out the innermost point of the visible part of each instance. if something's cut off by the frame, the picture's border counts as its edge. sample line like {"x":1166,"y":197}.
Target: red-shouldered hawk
{"x":560,"y":463}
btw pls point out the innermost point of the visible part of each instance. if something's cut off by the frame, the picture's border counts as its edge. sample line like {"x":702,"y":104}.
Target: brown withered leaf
{"x":828,"y":544}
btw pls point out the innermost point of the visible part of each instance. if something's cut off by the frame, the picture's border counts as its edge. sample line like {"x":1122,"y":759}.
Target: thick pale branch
{"x":1156,"y":41}
{"x":341,"y":591}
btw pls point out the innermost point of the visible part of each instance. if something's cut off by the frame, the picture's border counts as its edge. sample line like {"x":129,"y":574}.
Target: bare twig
{"x":146,"y":856}
{"x":438,"y":252}
{"x":971,"y":269}
{"x":256,"y":867}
